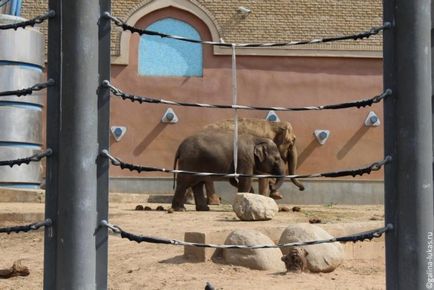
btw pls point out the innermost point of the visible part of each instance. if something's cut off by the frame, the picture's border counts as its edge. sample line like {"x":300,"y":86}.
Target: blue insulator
{"x":272,"y":118}
{"x":373,"y":119}
{"x":118,"y":132}
{"x":323,"y":135}
{"x":170,"y":116}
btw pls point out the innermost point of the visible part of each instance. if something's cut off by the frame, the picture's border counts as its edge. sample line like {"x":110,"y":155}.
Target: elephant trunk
{"x":279,"y":181}
{"x":292,"y":164}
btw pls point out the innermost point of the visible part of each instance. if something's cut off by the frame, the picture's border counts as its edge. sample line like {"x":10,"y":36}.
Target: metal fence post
{"x":53,"y":133}
{"x":75,"y":249}
{"x":104,"y":143}
{"x":408,"y":138}
{"x":432,"y":79}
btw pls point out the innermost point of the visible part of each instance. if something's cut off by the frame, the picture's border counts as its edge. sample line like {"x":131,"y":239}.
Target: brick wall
{"x":277,"y":20}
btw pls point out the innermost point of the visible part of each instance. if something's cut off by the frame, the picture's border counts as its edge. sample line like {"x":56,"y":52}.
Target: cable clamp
{"x":113,"y":228}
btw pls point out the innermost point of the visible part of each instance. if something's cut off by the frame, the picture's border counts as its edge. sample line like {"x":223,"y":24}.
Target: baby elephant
{"x":212,"y":151}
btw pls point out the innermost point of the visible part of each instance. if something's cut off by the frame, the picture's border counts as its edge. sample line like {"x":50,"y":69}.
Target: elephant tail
{"x":174,"y":167}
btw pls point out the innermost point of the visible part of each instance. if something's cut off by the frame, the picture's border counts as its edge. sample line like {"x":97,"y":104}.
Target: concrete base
{"x":367,"y":250}
{"x":159,"y":190}
{"x":21,"y":195}
{"x":38,"y":196}
{"x":318,"y":191}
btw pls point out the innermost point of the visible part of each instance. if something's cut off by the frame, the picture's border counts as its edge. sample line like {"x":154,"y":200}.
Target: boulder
{"x":259,"y":259}
{"x":320,"y":258}
{"x":254,"y":207}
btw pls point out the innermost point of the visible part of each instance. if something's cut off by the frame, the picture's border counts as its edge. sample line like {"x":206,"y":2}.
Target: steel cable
{"x":355,"y":104}
{"x":26,"y":228}
{"x":351,"y":172}
{"x":358,"y":237}
{"x":26,"y":160}
{"x":32,"y":22}
{"x":29,"y":90}
{"x":356,"y":36}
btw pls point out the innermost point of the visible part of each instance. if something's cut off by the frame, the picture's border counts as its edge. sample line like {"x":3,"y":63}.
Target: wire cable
{"x":356,"y":36}
{"x":358,"y":237}
{"x":351,"y":172}
{"x":26,"y":228}
{"x":34,"y":158}
{"x":31,"y":22}
{"x":29,"y":90}
{"x":355,"y":104}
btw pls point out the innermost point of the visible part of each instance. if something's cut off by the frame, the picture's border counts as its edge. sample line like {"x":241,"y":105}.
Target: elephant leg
{"x":199,"y":197}
{"x":244,"y":184}
{"x":179,"y":197}
{"x":274,"y":194}
{"x":235,"y":183}
{"x":212,"y":197}
{"x":263,"y":184}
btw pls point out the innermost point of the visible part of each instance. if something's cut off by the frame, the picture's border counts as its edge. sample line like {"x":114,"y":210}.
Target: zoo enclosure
{"x":77,"y":188}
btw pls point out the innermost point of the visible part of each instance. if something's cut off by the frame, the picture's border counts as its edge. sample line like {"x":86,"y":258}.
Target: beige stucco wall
{"x":262,"y":80}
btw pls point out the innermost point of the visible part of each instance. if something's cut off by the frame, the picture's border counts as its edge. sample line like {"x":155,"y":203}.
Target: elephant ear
{"x":284,"y":134}
{"x":280,"y":137}
{"x":261,"y":151}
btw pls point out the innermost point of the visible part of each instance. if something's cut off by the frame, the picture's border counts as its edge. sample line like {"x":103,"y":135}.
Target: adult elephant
{"x":212,"y":151}
{"x":281,"y":133}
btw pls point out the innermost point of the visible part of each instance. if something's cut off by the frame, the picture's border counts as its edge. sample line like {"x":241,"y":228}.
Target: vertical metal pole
{"x":430,"y":258}
{"x":73,"y":251}
{"x":103,"y":140}
{"x":408,"y":138}
{"x":53,"y":133}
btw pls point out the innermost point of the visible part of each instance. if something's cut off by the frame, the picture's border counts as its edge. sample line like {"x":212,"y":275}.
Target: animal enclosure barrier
{"x":76,"y":235}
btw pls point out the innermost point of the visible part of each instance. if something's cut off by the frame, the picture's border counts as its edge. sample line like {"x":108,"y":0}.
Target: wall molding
{"x":147,"y":7}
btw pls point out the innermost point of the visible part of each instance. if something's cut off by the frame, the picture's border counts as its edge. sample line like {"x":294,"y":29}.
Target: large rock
{"x":320,"y":258}
{"x":259,"y":259}
{"x":254,"y":207}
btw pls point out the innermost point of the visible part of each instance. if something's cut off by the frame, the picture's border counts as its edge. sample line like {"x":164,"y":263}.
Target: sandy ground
{"x":150,"y":266}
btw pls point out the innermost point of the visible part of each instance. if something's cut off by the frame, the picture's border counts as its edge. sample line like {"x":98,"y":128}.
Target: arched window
{"x":169,"y":57}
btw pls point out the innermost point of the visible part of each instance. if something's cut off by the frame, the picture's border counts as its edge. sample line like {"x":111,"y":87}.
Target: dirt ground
{"x":151,"y":266}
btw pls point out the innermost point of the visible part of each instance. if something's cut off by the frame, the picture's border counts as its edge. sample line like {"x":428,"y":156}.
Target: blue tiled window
{"x":169,"y":57}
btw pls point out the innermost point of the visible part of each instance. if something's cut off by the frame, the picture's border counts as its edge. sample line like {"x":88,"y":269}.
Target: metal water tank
{"x":21,"y":66}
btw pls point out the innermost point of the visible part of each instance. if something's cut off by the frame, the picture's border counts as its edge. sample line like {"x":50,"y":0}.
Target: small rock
{"x":209,"y":286}
{"x":314,"y":221}
{"x":160,"y":208}
{"x":131,"y":270}
{"x":170,"y":210}
{"x":16,"y":270}
{"x":139,"y":207}
{"x":254,"y":207}
{"x":376,"y":218}
{"x":296,"y":209}
{"x":147,"y":208}
{"x":284,"y":208}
